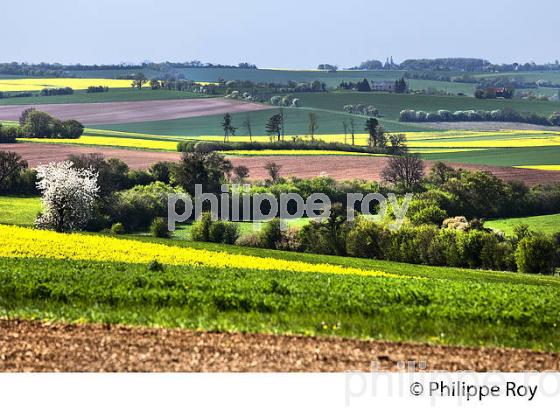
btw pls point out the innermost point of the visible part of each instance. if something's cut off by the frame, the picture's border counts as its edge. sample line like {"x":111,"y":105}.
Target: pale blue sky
{"x":281,"y":33}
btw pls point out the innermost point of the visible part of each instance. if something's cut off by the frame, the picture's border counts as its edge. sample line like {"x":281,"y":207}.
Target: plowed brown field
{"x":134,"y":111}
{"x":34,"y":346}
{"x":338,"y":167}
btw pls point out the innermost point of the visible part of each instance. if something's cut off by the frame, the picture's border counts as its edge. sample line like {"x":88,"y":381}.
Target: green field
{"x":506,"y":157}
{"x":425,"y":304}
{"x":296,"y":123}
{"x":390,"y":105}
{"x":15,"y":210}
{"x":548,"y":224}
{"x":113,"y":95}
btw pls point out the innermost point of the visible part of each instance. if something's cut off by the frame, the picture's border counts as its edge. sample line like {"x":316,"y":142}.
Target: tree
{"x":273,"y":170}
{"x":400,"y":86}
{"x":397,"y":144}
{"x":207,"y":169}
{"x":248,"y":127}
{"x":68,"y":196}
{"x":241,"y":172}
{"x":364,"y":86}
{"x":345,"y":128}
{"x":24,"y":114}
{"x":11,"y":165}
{"x":139,"y":80}
{"x":38,"y":124}
{"x":273,"y":126}
{"x":406,"y":171}
{"x":376,"y":133}
{"x":155,"y":84}
{"x":112,"y":173}
{"x":353,"y":129}
{"x":313,"y":125}
{"x":72,"y":129}
{"x":227,"y":126}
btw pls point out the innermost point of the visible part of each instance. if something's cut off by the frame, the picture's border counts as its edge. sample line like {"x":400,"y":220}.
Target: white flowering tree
{"x":68,"y":196}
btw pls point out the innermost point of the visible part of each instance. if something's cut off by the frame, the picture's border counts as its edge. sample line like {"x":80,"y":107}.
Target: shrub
{"x":535,"y":254}
{"x":155,"y":266}
{"x":159,"y":229}
{"x":251,"y":239}
{"x":207,"y":230}
{"x":137,"y":207}
{"x":270,"y":234}
{"x":365,"y":239}
{"x":118,"y":229}
{"x":200,"y":230}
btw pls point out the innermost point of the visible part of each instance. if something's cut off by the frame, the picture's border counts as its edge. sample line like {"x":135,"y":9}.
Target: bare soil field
{"x":134,"y":111}
{"x":338,"y":167}
{"x":32,"y":346}
{"x":485,"y":126}
{"x":369,"y":168}
{"x":37,"y":153}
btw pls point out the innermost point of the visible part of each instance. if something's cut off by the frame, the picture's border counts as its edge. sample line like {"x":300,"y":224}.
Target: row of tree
{"x":503,"y":115}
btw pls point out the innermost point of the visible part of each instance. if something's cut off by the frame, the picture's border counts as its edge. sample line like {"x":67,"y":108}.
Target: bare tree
{"x":273,"y":170}
{"x":248,"y":127}
{"x":406,"y":171}
{"x":353,"y":129}
{"x":240,"y":172}
{"x":313,"y":125}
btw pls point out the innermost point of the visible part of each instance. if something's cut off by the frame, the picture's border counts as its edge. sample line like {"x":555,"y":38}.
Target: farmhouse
{"x":387,"y":86}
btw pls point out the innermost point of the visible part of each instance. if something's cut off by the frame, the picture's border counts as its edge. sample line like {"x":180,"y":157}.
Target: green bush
{"x":535,"y":254}
{"x":137,"y":207}
{"x":365,"y":239}
{"x":270,"y":234}
{"x":207,"y":230}
{"x":200,"y":230}
{"x":118,"y":229}
{"x":159,"y":228}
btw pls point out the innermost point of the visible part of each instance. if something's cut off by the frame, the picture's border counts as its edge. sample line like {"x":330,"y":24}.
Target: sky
{"x":277,"y":34}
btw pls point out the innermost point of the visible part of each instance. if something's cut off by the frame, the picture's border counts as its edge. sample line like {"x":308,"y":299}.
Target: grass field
{"x":390,"y":105}
{"x":543,"y":223}
{"x":90,"y":278}
{"x":502,"y":157}
{"x":113,"y":95}
{"x":296,"y":122}
{"x":15,"y":210}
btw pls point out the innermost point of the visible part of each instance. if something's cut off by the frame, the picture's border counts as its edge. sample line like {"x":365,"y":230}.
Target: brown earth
{"x":134,"y":111}
{"x":338,"y":167}
{"x":32,"y":346}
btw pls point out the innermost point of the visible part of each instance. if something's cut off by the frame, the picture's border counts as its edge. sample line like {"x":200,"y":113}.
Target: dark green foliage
{"x":270,"y":234}
{"x":158,"y":228}
{"x":210,"y":170}
{"x":209,"y":146}
{"x":207,"y":230}
{"x":137,"y":207}
{"x":12,"y":167}
{"x":8,"y":134}
{"x":118,"y":229}
{"x":536,"y":254}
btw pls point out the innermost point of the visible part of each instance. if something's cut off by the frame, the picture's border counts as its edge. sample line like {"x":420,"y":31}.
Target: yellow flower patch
{"x":17,"y":242}
{"x":37,"y":84}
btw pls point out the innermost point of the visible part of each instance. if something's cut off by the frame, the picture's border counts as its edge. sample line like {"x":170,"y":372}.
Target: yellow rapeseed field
{"x":294,"y":152}
{"x":37,"y":84}
{"x":110,"y":142}
{"x":540,"y":167}
{"x":20,"y":242}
